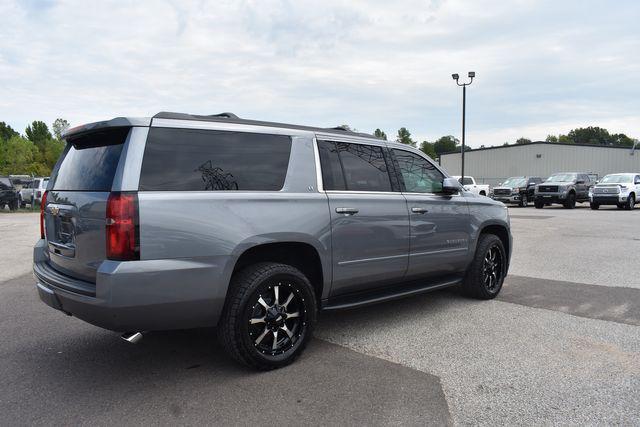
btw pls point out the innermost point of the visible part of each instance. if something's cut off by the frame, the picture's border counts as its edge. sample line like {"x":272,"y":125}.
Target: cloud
{"x":369,"y":64}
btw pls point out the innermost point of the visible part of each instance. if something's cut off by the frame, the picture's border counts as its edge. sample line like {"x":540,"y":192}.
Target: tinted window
{"x":88,"y":169}
{"x":198,"y":160}
{"x":364,"y":167}
{"x":332,"y":178}
{"x":418,"y":174}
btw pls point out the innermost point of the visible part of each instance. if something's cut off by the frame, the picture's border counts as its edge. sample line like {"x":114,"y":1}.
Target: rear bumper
{"x":138,"y":295}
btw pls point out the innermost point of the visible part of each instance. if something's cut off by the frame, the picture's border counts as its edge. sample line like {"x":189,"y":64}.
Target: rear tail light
{"x":43,"y":205}
{"x":123,"y":235}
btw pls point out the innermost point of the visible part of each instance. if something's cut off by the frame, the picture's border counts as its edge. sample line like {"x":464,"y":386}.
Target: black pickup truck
{"x":517,"y":189}
{"x":8,"y":194}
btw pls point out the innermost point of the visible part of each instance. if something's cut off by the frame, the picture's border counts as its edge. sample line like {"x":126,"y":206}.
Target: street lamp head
{"x":472,"y":74}
{"x":455,"y":77}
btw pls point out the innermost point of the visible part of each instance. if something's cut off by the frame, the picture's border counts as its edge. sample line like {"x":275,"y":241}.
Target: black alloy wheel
{"x":269,"y":315}
{"x":277,"y":319}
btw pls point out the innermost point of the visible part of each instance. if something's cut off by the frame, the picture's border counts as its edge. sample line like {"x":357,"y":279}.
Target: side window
{"x":637,"y":179}
{"x":332,"y":177}
{"x":418,"y":174}
{"x":204,"y":160}
{"x":364,"y":167}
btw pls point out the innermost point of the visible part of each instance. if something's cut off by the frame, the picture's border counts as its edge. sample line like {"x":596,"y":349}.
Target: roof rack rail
{"x":226,"y":115}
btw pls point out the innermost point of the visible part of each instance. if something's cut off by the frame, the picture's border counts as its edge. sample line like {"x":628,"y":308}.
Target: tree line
{"x":35,"y":152}
{"x":591,"y":135}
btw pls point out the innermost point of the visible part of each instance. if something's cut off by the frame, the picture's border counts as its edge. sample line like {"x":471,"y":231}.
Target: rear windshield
{"x":5,"y":184}
{"x":201,"y":160}
{"x":90,"y":162}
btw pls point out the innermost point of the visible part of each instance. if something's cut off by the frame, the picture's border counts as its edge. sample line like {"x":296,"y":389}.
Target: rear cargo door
{"x":76,"y":204}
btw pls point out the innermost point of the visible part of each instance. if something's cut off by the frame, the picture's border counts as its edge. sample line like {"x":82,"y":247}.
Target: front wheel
{"x":269,"y":316}
{"x":570,"y":202}
{"x":594,"y":206}
{"x":524,"y":201}
{"x":15,"y":205}
{"x":631,"y":202}
{"x":538,"y":204}
{"x":487,"y":271}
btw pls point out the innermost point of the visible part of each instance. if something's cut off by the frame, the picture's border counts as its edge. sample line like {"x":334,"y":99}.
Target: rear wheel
{"x":15,"y":205}
{"x":269,"y":316}
{"x":570,"y":202}
{"x":631,"y":202}
{"x":487,"y":271}
{"x":594,"y":206}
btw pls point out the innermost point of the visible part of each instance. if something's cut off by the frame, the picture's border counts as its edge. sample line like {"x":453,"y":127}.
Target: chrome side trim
{"x":357,"y":261}
{"x":350,"y":138}
{"x":441,"y":251}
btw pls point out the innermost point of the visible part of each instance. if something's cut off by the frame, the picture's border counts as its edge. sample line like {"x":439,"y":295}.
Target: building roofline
{"x":537,"y":143}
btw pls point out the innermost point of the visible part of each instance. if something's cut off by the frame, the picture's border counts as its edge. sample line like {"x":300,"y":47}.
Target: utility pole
{"x":456,"y":77}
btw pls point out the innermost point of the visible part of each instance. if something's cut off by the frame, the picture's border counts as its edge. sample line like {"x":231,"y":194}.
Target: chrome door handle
{"x":419,"y":210}
{"x":347,"y":211}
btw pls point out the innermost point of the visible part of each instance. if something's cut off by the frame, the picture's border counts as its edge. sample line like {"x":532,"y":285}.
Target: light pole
{"x":472,"y":74}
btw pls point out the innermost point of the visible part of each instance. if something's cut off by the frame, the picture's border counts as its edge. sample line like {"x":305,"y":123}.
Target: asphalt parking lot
{"x":560,"y":345}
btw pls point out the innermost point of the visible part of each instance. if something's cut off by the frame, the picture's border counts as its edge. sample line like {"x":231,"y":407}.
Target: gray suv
{"x":181,"y":221}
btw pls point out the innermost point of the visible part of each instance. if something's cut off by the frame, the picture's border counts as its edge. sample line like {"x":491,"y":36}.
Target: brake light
{"x":122,"y":227}
{"x":43,"y":205}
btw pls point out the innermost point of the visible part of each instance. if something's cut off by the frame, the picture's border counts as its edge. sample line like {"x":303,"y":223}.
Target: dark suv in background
{"x":8,"y":194}
{"x":182,"y":221}
{"x":517,"y":189}
{"x":565,"y":188}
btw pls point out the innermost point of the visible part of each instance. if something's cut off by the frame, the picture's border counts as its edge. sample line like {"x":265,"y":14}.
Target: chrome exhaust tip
{"x":132,"y":337}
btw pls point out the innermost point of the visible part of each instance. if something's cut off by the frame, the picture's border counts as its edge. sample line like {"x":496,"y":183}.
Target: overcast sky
{"x":542,"y":66}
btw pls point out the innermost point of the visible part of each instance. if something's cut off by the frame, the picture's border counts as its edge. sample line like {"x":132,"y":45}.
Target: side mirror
{"x":450,"y":186}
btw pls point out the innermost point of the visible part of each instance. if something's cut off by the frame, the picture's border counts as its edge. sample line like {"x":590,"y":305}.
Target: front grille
{"x":548,"y":189}
{"x":502,"y":191}
{"x":606,"y":190}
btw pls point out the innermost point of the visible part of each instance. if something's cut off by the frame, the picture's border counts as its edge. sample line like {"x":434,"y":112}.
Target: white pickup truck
{"x":470,"y":184}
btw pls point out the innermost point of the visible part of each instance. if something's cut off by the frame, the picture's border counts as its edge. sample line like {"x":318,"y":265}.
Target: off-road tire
{"x":594,"y":206}
{"x":233,"y":329}
{"x":473,"y":284}
{"x":538,"y":204}
{"x":631,"y":202}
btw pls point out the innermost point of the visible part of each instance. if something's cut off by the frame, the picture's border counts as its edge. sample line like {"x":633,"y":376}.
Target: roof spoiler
{"x":118,"y":122}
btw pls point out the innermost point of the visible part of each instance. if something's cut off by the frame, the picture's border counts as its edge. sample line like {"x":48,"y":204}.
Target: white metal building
{"x":492,"y":165}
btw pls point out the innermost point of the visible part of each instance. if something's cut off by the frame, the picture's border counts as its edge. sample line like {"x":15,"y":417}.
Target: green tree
{"x":19,"y":157}
{"x":520,"y":141}
{"x":38,"y":133}
{"x":622,"y":140}
{"x":7,"y":132}
{"x":446,"y":144}
{"x":380,"y":134}
{"x":59,"y":126}
{"x":404,"y":137}
{"x":564,"y":139}
{"x":428,"y":148}
{"x":551,"y":138}
{"x":591,"y":135}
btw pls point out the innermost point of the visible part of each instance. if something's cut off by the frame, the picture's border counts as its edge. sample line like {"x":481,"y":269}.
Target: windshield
{"x":515,"y":182}
{"x":562,"y":177}
{"x":616,"y":179}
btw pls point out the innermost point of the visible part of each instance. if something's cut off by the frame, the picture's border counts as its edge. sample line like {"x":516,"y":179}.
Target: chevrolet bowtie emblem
{"x":54,"y":210}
